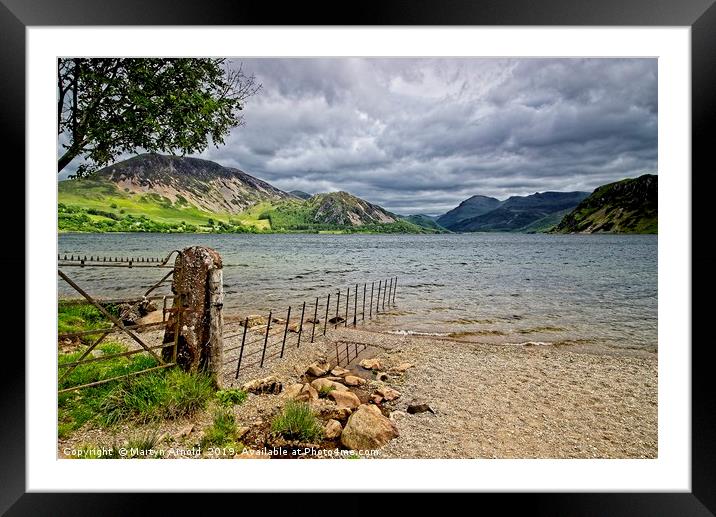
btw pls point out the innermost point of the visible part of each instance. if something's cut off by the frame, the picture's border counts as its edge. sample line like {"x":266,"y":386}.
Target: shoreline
{"x":490,"y":401}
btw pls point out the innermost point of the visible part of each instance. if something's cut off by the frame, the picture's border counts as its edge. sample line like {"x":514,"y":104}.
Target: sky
{"x":422,"y":135}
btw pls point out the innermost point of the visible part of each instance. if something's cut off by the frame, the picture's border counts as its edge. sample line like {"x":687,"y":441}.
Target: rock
{"x":371,"y":364}
{"x":325,"y":384}
{"x":255,"y":320}
{"x":367,"y":428}
{"x":269,"y":385}
{"x":333,"y":429}
{"x":383,"y":377}
{"x":145,"y":307}
{"x":337,"y":319}
{"x":278,"y":321}
{"x":419,"y":408}
{"x":184,"y":431}
{"x":292,"y":391}
{"x":241,"y":432}
{"x":335,"y":378}
{"x":396,"y":416}
{"x":388,"y":393}
{"x":334,"y":412}
{"x":339,"y":372}
{"x":352,"y":380}
{"x":128,"y":313}
{"x":344,"y":399}
{"x":313,"y":320}
{"x":307,"y":394}
{"x":376,"y":399}
{"x":401,"y":368}
{"x":294,"y":327}
{"x":318,"y":369}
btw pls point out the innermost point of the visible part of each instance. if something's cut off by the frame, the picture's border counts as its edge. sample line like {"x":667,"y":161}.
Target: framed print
{"x":373,"y":242}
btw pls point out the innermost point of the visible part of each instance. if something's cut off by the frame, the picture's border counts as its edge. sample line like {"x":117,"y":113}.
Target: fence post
{"x":348,"y":301}
{"x":338,"y":303}
{"x":390,"y":291}
{"x":377,"y":305}
{"x":268,"y":326}
{"x":198,"y":288}
{"x":285,"y":330}
{"x":241,"y":352}
{"x":394,"y":288}
{"x":365,"y":285}
{"x":325,"y":320}
{"x":370,"y":307}
{"x":355,"y":307}
{"x":315,"y":316}
{"x":300,"y":327}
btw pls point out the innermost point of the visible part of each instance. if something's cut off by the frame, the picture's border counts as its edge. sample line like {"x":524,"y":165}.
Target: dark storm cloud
{"x":421,"y":135}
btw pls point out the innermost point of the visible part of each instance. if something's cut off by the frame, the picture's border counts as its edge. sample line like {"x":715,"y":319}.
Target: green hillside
{"x":626,"y":206}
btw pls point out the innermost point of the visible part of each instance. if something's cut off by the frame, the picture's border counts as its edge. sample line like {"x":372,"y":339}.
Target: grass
{"x":156,"y":396}
{"x":79,"y":317}
{"x":231,"y":397}
{"x":325,"y":390}
{"x":297,"y":421}
{"x":222,"y":431}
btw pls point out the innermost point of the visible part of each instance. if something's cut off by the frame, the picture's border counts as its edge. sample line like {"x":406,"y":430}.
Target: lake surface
{"x":488,"y":287}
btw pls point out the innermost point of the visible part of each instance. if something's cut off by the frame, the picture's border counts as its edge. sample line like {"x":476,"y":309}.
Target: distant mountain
{"x":536,"y":212}
{"x":471,"y":207}
{"x":300,"y":194}
{"x":178,"y":180}
{"x":158,"y":193}
{"x":425,"y":221}
{"x":626,"y":206}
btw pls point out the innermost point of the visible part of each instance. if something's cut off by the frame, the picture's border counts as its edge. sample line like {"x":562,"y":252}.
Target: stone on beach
{"x":326,"y":384}
{"x":419,"y":408}
{"x":338,"y":371}
{"x":352,"y":380}
{"x":266,"y":385}
{"x":344,"y":399}
{"x":333,"y":429}
{"x":388,"y":393}
{"x":371,"y":364}
{"x":367,"y":428}
{"x":318,"y":369}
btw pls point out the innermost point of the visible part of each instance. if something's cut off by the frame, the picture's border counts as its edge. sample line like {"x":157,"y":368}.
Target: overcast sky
{"x":422,"y":135}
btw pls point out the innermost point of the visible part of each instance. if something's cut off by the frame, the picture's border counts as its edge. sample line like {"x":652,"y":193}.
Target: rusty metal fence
{"x":267,"y":338}
{"x":163,"y":359}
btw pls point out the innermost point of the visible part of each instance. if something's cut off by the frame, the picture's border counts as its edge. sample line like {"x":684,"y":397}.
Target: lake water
{"x":494,"y":287}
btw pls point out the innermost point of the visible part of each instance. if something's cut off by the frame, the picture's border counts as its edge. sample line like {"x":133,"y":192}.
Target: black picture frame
{"x":700,"y":15}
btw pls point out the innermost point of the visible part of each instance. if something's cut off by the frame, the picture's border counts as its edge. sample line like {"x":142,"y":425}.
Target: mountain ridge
{"x":626,"y":206}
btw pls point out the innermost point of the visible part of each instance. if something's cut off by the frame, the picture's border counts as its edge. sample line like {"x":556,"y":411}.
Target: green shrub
{"x":325,"y":390}
{"x":222,"y":431}
{"x":231,"y":397}
{"x":297,"y":421}
{"x":156,"y":396}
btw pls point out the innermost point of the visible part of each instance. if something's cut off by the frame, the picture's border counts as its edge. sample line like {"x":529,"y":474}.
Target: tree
{"x":109,"y":106}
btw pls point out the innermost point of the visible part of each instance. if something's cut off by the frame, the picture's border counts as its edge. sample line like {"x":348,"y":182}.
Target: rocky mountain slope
{"x":626,"y":206}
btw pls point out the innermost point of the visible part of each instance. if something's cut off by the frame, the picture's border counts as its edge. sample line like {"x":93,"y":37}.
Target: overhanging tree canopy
{"x":109,"y":106}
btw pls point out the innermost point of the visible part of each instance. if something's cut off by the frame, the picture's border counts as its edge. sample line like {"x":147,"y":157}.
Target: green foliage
{"x":78,"y":317}
{"x":230,"y":397}
{"x":155,"y":396}
{"x":325,"y":390}
{"x":109,"y":106}
{"x":297,"y":421}
{"x":222,"y":430}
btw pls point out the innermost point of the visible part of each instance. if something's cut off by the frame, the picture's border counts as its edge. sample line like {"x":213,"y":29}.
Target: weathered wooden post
{"x":198,"y":287}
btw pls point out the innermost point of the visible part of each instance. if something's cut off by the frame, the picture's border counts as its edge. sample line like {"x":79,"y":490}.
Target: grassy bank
{"x":149,"y":397}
